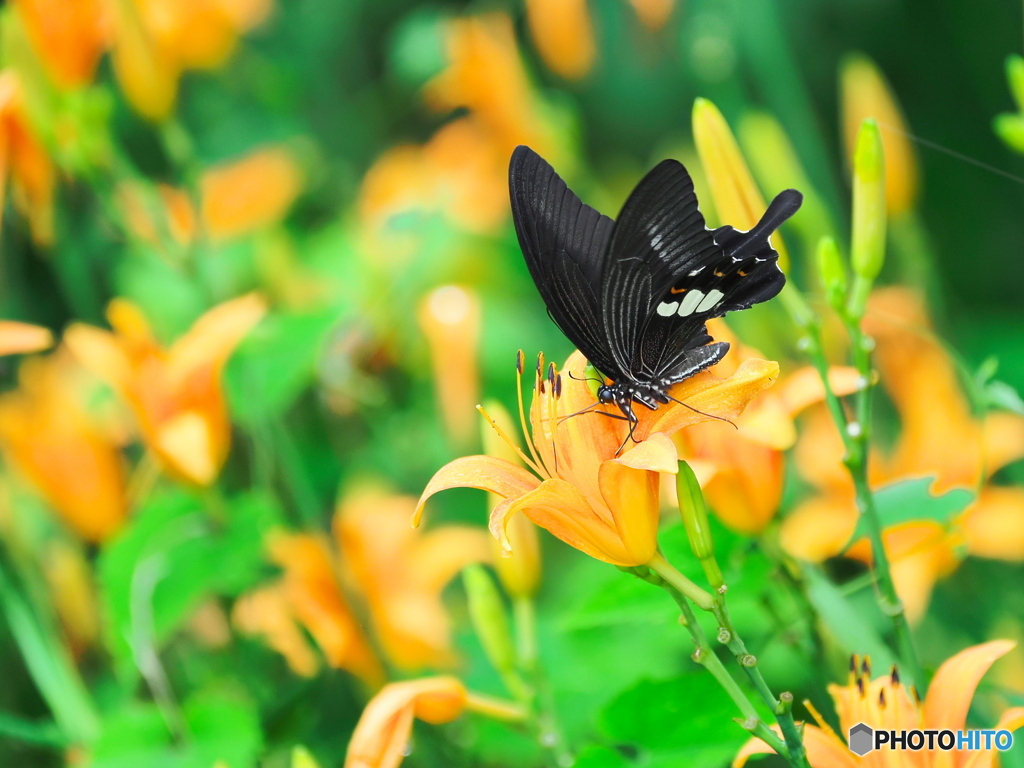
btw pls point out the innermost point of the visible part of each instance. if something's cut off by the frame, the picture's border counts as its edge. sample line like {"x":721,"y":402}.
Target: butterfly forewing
{"x":564,"y":243}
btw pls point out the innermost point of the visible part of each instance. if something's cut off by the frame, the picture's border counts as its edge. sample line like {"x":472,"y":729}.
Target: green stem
{"x":706,"y":657}
{"x":668,"y":572}
{"x":42,"y":734}
{"x":728,"y":635}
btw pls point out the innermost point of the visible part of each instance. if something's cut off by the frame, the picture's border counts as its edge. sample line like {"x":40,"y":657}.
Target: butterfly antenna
{"x":702,"y":413}
{"x":584,"y":378}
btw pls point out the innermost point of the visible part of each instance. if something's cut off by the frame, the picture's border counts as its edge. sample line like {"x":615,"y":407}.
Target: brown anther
{"x":520,"y":361}
{"x":860,"y":686}
{"x":540,"y":385}
{"x":916,"y":693}
{"x":551,"y":373}
{"x":853,"y":664}
{"x":881,"y":698}
{"x":558,"y":386}
{"x":540,"y":363}
{"x":865,"y":667}
{"x":895,"y":676}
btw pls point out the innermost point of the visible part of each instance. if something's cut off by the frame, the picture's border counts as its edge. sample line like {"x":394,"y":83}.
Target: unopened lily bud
{"x":489,"y":616}
{"x":302,"y":758}
{"x":1015,"y":77}
{"x":869,"y":217}
{"x":832,"y":271}
{"x":694,"y":512}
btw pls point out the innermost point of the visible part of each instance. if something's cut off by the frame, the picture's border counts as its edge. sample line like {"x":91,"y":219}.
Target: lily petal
{"x":1012,"y":720}
{"x":803,"y":387}
{"x":953,"y":686}
{"x":382,"y":734}
{"x":994,"y":524}
{"x":657,"y":453}
{"x":214,"y":336}
{"x":558,"y":507}
{"x":485,"y":472}
{"x":21,"y":338}
{"x":824,"y":750}
{"x":707,"y":397}
{"x":632,"y":496}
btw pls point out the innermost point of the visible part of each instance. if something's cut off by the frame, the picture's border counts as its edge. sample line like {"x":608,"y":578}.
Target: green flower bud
{"x":489,"y":616}
{"x":869,"y":220}
{"x":694,"y":512}
{"x":302,"y":758}
{"x":832,"y":271}
{"x":594,"y":379}
{"x":1015,"y":77}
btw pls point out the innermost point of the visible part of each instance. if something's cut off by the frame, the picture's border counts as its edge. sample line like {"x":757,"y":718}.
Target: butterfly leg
{"x":626,"y":405}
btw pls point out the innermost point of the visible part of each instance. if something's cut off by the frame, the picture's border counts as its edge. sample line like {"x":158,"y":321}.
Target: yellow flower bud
{"x":866,"y":95}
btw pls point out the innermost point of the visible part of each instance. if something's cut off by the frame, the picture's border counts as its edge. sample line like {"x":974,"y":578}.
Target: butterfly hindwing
{"x":658,"y":237}
{"x":564,"y":243}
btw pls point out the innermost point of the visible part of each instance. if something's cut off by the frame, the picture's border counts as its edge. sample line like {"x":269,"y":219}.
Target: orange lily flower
{"x":24,"y":162}
{"x":581,"y":489}
{"x":381,"y":738}
{"x":743,"y":467}
{"x":482,"y":51}
{"x":653,"y":13}
{"x":49,"y":437}
{"x":316,"y":600}
{"x":236,"y":198}
{"x":69,"y":38}
{"x":156,"y":40}
{"x":939,"y":438}
{"x":401,"y":571}
{"x":268,"y":613}
{"x":175,"y":394}
{"x":564,"y":35}
{"x":450,"y":320}
{"x":885,"y":703}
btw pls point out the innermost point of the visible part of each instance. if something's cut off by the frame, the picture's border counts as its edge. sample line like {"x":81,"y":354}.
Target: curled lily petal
{"x":953,"y":686}
{"x":657,"y":453}
{"x":803,"y":387}
{"x":561,"y":509}
{"x":706,"y":397}
{"x":632,"y":496}
{"x":485,"y":472}
{"x":382,"y":734}
{"x":1012,"y":720}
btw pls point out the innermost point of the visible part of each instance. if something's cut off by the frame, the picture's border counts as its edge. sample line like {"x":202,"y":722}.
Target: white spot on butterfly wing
{"x":708,"y":302}
{"x":667,"y":308}
{"x":690,"y":302}
{"x":697,"y":271}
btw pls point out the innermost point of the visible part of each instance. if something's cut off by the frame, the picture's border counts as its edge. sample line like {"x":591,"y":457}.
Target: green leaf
{"x":851,"y":630}
{"x":159,"y":569}
{"x":687,"y":721}
{"x":219,"y":726}
{"x":1000,"y":395}
{"x":275,"y":364}
{"x":910,"y":500}
{"x":600,"y":757}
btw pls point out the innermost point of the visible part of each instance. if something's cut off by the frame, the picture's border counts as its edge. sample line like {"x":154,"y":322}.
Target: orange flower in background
{"x":582,"y":489}
{"x":268,"y":613}
{"x":939,"y":438}
{"x":884,"y":703}
{"x":653,"y":13}
{"x":564,"y":35}
{"x":156,"y":40}
{"x":52,"y":441}
{"x":24,"y":163}
{"x":482,"y":53}
{"x":401,"y":572}
{"x":743,"y":467}
{"x":450,"y":320}
{"x":237,"y":197}
{"x":316,"y":600}
{"x":381,"y":738}
{"x":22,"y":338}
{"x":175,"y":394}
{"x":68,"y":37}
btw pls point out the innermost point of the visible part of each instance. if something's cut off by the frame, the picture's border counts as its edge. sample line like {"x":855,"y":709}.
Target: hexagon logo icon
{"x":862,"y":739}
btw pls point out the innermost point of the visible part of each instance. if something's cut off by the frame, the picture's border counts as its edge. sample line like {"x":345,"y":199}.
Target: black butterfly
{"x":634,"y":294}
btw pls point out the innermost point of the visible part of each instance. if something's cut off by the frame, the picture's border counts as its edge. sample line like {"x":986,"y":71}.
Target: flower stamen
{"x":527,"y":436}
{"x":510,"y":442}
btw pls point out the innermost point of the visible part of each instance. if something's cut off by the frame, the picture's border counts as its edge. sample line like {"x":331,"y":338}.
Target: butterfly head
{"x":606,"y":394}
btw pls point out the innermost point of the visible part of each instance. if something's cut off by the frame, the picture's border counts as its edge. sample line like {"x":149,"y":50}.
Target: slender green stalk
{"x":43,"y":734}
{"x":705,"y":655}
{"x":668,"y":572}
{"x":727,"y":635}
